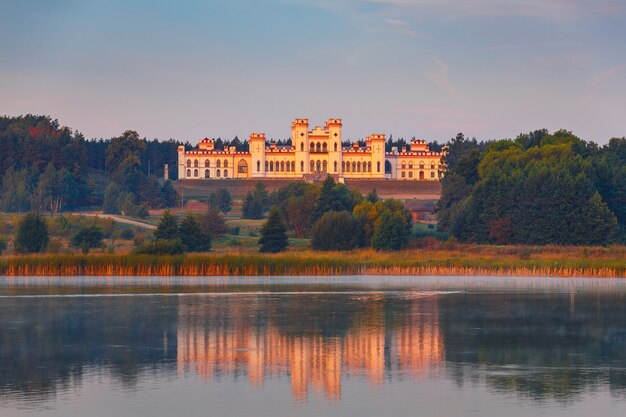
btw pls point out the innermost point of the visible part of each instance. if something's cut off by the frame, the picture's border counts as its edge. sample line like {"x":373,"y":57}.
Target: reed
{"x":464,"y":260}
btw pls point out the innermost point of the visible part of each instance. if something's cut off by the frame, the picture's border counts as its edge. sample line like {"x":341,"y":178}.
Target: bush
{"x":32,"y":234}
{"x":127,"y":234}
{"x":391,"y":232}
{"x":161,"y":247}
{"x":336,"y":230}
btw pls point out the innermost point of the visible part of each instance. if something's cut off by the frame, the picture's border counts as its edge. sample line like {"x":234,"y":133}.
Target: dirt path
{"x":120,"y":220}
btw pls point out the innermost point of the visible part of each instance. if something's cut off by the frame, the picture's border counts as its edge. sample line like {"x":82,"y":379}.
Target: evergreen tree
{"x":32,"y":234}
{"x":273,"y":233}
{"x":391,"y":232}
{"x":372,"y":197}
{"x":225,"y":200}
{"x":167,"y":228}
{"x":328,"y":201}
{"x":213,"y":223}
{"x":256,"y":203}
{"x":192,"y":236}
{"x":336,"y":230}
{"x":88,"y":237}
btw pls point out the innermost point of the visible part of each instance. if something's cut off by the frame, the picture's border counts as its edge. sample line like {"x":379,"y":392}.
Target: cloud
{"x":440,"y":78}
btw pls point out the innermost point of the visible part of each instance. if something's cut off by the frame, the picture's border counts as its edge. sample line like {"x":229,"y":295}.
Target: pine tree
{"x":167,"y":228}
{"x":273,"y":233}
{"x":192,"y":236}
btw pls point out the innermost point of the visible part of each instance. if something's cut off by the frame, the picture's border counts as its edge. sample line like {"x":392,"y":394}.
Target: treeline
{"x":49,"y":168}
{"x":539,"y":188}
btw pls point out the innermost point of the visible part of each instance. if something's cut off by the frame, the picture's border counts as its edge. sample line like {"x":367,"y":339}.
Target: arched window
{"x":410,"y":165}
{"x":318,"y":165}
{"x":242,"y":167}
{"x":403,"y":165}
{"x":325,"y":147}
{"x":432,"y":166}
{"x":403,"y":174}
{"x":421,"y":165}
{"x":312,"y":147}
{"x":312,"y":166}
{"x":207,"y":174}
{"x":225,"y":164}
{"x":218,"y":163}
{"x":387,"y":167}
{"x":258,"y":166}
{"x":343,"y":166}
{"x":188,"y":172}
{"x":378,"y":166}
{"x":369,"y":167}
{"x":225,"y":173}
{"x":218,"y":173}
{"x":282,"y":166}
{"x":432,"y":174}
{"x":421,"y":175}
{"x":335,"y":166}
{"x":293,"y":166}
{"x":271,"y":166}
{"x":324,"y":166}
{"x":318,"y":148}
{"x":335,"y":146}
{"x":358,"y":166}
{"x":301,"y":166}
{"x":347,"y":167}
{"x":266,"y":166}
{"x":188,"y":163}
{"x":195,"y":172}
{"x":302,"y":146}
{"x":353,"y":166}
{"x":207,"y":163}
{"x":195,"y":163}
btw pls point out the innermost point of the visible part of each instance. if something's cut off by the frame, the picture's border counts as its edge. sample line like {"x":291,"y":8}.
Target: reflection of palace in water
{"x":215,"y":340}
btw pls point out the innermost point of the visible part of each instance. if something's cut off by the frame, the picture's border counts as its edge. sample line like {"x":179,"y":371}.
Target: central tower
{"x":300,"y":142}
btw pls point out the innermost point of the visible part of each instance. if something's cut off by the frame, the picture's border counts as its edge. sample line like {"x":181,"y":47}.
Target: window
{"x":218,"y":173}
{"x":312,"y":147}
{"x":432,"y":166}
{"x":266,"y":166}
{"x":343,"y":166}
{"x":421,"y":165}
{"x":207,"y":163}
{"x":242,"y":167}
{"x":325,"y":147}
{"x":312,"y":166}
{"x":282,"y":166}
{"x":302,"y":146}
{"x":403,"y":174}
{"x":324,"y":166}
{"x":288,"y":166}
{"x":410,"y":165}
{"x":188,"y":163}
{"x":353,"y":166}
{"x":195,"y":163}
{"x":225,"y":173}
{"x":225,"y":163}
{"x":348,"y":167}
{"x":432,"y":174}
{"x":293,"y":166}
{"x":271,"y":166}
{"x":301,"y":166}
{"x":318,"y":147}
{"x":207,"y":174}
{"x":318,"y":165}
{"x":421,"y":175}
{"x":403,"y":165}
{"x":377,"y":166}
{"x":218,"y":164}
{"x":369,"y":167}
{"x":335,"y":166}
{"x":335,"y":147}
{"x":195,"y":172}
{"x":258,"y":166}
{"x":358,"y":167}
{"x":410,"y":174}
{"x":188,"y":172}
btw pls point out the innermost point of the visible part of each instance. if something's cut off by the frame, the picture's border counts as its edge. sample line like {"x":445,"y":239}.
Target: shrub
{"x":336,"y":230}
{"x":213,"y":223}
{"x":167,"y":228}
{"x":32,"y":234}
{"x":161,"y":247}
{"x":88,"y":237}
{"x":391,"y":232}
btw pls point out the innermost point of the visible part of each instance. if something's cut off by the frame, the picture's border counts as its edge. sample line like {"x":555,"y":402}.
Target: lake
{"x":312,"y":346}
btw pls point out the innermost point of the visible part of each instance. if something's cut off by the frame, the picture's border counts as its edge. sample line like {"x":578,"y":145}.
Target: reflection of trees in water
{"x":46,"y":344}
{"x":540,"y":345}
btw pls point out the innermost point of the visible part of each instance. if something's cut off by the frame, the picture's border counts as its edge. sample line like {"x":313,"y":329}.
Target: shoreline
{"x":417,"y":263}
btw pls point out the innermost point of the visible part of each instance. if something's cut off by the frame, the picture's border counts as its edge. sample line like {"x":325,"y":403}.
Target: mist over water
{"x":312,"y":346}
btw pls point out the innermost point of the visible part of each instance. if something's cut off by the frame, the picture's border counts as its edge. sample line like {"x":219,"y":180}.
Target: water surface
{"x":311,"y":346}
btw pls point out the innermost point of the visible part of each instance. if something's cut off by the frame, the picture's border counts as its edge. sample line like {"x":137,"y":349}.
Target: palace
{"x":312,"y":154}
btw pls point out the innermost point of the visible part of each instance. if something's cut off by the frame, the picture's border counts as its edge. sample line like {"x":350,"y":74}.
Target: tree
{"x":32,"y":234}
{"x":213,"y":223}
{"x":88,"y":237}
{"x":192,"y":236}
{"x":372,"y":197}
{"x":221,"y":200}
{"x":328,"y":200}
{"x":3,"y":245}
{"x":391,"y":232}
{"x":169,"y":196}
{"x":336,"y":230}
{"x":167,"y":228}
{"x":256,"y":203}
{"x":273,"y":233}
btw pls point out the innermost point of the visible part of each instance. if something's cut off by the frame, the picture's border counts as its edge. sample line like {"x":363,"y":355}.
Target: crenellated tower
{"x":376,"y":142}
{"x":257,"y":154}
{"x":333,"y":126}
{"x":300,"y":142}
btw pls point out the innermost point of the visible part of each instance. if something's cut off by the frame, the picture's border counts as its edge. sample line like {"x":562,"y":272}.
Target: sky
{"x":430,"y":69}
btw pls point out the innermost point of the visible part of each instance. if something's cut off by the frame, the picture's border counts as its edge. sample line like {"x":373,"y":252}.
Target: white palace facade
{"x":312,"y":154}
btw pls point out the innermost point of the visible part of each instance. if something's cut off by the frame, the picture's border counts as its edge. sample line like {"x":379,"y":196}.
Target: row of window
{"x":207,"y":163}
{"x":421,"y":165}
{"x":207,"y":173}
{"x":318,"y":147}
{"x":421,"y":174}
